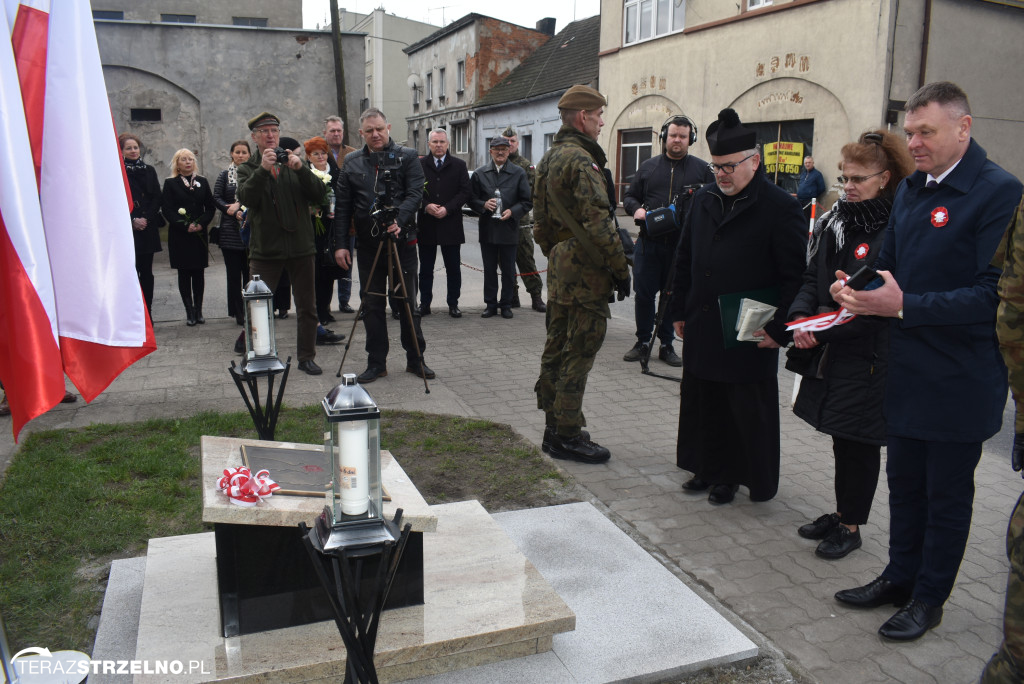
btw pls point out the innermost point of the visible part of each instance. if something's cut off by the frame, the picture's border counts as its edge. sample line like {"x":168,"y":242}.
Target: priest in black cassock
{"x":743,"y":235}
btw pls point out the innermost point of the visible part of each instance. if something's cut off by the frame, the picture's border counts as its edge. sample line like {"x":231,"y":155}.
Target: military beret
{"x":500,"y":141}
{"x":582,"y":97}
{"x":508,"y":132}
{"x":263,"y":119}
{"x":728,"y":136}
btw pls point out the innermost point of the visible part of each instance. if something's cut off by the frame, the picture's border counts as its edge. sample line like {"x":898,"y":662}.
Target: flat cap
{"x":582,"y":97}
{"x":263,"y":119}
{"x":728,"y":136}
{"x":500,"y":141}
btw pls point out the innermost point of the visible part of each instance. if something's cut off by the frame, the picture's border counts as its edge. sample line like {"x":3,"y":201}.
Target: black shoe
{"x":345,"y":308}
{"x":695,"y":484}
{"x":515,"y":302}
{"x":396,"y":315}
{"x":309,"y":367}
{"x":362,"y":315}
{"x":283,"y":313}
{"x":414,"y":369}
{"x":820,"y":528}
{"x":578,"y":449}
{"x":839,"y":544}
{"x":69,"y":398}
{"x":911,"y":621}
{"x":506,"y":312}
{"x":636,"y":353}
{"x":488,"y":313}
{"x":199,"y":315}
{"x":240,"y":344}
{"x":549,"y":436}
{"x":454,"y":312}
{"x":722,"y":493}
{"x":538,"y":303}
{"x":190,"y":316}
{"x":370,"y":374}
{"x":877,"y":592}
{"x":424,"y":310}
{"x":669,"y":356}
{"x":329,"y":338}
{"x":329,"y":319}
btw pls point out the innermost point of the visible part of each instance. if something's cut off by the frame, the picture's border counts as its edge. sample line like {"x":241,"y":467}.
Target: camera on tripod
{"x":383,"y":210}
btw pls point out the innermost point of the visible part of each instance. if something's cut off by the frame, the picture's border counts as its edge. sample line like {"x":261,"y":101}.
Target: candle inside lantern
{"x":260,"y":320}
{"x":352,"y":438}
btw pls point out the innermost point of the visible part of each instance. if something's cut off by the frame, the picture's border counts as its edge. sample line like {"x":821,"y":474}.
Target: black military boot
{"x":538,"y":303}
{"x":578,"y":449}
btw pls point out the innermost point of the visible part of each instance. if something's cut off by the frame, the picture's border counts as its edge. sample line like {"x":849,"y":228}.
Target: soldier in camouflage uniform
{"x":525,"y":262}
{"x":1007,"y":665}
{"x":586,"y":265}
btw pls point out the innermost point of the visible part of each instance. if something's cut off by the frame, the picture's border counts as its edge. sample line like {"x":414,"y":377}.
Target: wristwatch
{"x":899,"y":314}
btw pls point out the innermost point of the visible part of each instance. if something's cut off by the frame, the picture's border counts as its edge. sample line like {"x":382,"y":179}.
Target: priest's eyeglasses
{"x":730,"y":167}
{"x":857,"y":180}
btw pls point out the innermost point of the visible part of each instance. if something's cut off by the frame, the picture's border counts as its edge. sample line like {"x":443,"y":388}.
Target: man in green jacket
{"x":586,"y":265}
{"x":278,"y":196}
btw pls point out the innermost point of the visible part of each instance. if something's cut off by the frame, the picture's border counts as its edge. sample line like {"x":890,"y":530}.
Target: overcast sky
{"x":442,"y":12}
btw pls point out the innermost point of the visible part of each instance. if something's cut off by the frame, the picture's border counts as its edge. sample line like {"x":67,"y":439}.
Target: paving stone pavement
{"x":746,"y":555}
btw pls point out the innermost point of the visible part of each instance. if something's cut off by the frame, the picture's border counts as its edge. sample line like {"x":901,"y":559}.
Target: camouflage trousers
{"x":575,"y":335}
{"x":1007,"y":665}
{"x":525,"y":263}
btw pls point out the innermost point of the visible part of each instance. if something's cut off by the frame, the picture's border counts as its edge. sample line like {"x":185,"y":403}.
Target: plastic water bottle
{"x":497,"y":205}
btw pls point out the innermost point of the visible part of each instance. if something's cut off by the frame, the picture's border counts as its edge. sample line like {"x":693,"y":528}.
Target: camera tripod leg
{"x":355,"y":321}
{"x":408,"y":313}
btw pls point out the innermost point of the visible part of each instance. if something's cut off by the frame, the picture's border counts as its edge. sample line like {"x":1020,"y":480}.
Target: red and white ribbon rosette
{"x":245,"y":489}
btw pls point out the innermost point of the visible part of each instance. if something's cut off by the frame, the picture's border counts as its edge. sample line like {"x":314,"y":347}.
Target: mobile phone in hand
{"x":863,"y":277}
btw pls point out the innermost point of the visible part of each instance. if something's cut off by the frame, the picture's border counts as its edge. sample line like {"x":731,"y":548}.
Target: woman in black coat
{"x":188,"y":205}
{"x":146,"y":218}
{"x":844,"y":367}
{"x":236,"y":266}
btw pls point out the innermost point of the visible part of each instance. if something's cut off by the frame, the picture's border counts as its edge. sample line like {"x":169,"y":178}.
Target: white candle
{"x":352,"y":437}
{"x":260,"y":319}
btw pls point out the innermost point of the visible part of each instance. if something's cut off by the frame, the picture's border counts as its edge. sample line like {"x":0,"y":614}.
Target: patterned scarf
{"x":845,"y":217}
{"x":135,"y":166}
{"x":233,"y":174}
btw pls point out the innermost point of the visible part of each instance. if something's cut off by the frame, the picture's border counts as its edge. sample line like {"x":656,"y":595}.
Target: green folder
{"x":729,"y":307}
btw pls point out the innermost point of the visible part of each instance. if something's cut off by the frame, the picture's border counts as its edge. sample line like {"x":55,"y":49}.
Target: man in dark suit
{"x":440,"y":220}
{"x":947,"y":384}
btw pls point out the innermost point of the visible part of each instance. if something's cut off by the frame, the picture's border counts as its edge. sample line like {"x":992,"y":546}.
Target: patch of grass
{"x":73,"y":500}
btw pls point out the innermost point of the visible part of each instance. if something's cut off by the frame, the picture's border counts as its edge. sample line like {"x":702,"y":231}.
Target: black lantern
{"x":260,"y":345}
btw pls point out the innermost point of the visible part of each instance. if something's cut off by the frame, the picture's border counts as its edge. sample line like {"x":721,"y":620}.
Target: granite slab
{"x":218,"y":453}
{"x":483,"y":602}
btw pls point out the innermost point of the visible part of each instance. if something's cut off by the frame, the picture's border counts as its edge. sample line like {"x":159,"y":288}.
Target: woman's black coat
{"x":224,"y":195}
{"x":188,"y":251}
{"x":145,"y":189}
{"x":848,"y":402}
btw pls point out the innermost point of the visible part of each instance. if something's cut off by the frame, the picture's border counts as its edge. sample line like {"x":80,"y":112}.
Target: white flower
{"x":182,"y":211}
{"x":322,"y":175}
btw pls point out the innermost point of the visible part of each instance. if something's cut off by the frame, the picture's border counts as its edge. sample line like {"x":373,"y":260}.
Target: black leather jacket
{"x":363,"y":177}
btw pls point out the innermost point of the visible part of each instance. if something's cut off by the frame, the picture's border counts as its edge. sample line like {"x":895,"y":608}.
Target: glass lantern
{"x":260,"y":345}
{"x":355,"y":496}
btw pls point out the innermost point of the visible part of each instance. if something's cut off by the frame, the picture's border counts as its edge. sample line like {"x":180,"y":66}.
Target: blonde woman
{"x":188,"y":206}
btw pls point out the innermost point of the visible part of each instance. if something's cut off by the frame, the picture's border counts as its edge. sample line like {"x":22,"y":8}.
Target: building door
{"x":784,"y":144}
{"x":635,"y":148}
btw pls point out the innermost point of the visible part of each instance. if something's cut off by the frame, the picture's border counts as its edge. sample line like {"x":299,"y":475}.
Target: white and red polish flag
{"x":96,"y":315}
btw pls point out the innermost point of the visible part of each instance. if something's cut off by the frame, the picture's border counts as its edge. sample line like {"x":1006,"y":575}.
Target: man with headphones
{"x":666,"y":180}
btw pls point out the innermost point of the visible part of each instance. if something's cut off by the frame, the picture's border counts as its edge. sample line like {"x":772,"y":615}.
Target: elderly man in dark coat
{"x":440,"y":220}
{"x":499,"y":235}
{"x":743,"y":234}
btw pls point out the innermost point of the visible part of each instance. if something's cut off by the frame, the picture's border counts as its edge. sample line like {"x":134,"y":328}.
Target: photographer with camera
{"x":278,"y":189}
{"x":668,"y":180}
{"x":379,"y":188}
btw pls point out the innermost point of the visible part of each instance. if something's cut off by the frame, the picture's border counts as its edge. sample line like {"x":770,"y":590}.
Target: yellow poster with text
{"x":789,"y":154}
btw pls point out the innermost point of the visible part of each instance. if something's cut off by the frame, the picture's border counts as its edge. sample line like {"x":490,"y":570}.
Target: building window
{"x":646,"y":19}
{"x":757,"y":4}
{"x":430,"y":87}
{"x":249,"y":21}
{"x":549,"y":140}
{"x":526,"y":146}
{"x":116,"y":15}
{"x":416,"y":140}
{"x":460,"y":76}
{"x":441,"y":89}
{"x":146,"y":115}
{"x":460,"y":138}
{"x":178,"y":18}
{"x":415,"y":96}
{"x":634,"y":149}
